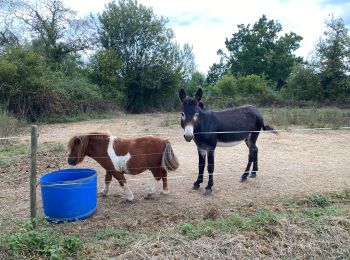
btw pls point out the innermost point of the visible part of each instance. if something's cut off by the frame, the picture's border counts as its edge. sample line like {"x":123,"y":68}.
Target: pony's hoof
{"x":103,"y":194}
{"x":164,"y":192}
{"x":252,"y":175}
{"x":207,"y":192}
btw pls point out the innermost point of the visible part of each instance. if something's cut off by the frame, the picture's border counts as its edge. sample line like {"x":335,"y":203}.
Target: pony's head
{"x":77,"y":149}
{"x":190,"y":112}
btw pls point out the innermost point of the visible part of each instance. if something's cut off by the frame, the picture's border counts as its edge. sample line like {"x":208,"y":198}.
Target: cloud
{"x":206,"y":24}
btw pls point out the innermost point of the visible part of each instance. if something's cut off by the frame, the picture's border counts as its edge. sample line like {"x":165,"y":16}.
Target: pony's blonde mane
{"x":84,"y":141}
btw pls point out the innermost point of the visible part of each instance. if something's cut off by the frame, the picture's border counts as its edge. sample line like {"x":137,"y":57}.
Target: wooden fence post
{"x":34,"y":146}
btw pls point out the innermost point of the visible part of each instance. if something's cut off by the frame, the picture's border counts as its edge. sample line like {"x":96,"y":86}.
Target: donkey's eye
{"x":196,"y":116}
{"x":182,"y":114}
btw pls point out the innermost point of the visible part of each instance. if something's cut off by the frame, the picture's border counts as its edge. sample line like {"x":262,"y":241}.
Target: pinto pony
{"x":119,"y":156}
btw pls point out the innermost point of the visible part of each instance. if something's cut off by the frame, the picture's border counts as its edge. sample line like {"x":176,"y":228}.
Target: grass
{"x":77,"y":118}
{"x":170,"y":120}
{"x":9,"y":125}
{"x":119,"y":237}
{"x":317,"y":226}
{"x":307,"y":117}
{"x":10,"y":151}
{"x":42,"y":241}
{"x":230,"y":224}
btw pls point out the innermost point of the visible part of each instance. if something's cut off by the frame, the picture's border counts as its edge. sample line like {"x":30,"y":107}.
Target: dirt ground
{"x":290,"y":164}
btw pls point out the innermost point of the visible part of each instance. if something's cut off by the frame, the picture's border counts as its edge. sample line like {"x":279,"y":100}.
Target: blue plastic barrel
{"x":69,"y":194}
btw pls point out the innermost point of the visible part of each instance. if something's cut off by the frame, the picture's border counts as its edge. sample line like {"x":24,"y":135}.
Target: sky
{"x":206,"y":24}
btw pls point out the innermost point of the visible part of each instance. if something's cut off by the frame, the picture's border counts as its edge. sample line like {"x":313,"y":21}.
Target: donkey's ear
{"x":199,"y":94}
{"x":201,"y":105}
{"x":182,"y":94}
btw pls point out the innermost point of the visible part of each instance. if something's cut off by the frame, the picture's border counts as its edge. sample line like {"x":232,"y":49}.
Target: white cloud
{"x":206,"y":24}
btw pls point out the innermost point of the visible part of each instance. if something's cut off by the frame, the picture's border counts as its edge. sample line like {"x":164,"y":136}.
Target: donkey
{"x":210,"y":129}
{"x":119,"y":156}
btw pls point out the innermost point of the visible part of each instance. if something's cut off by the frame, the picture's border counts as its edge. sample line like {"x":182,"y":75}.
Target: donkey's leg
{"x":108,"y":179}
{"x":208,"y":189}
{"x":201,"y":165}
{"x":250,"y":159}
{"x":255,"y":162}
{"x":254,"y":137}
{"x":122,"y":181}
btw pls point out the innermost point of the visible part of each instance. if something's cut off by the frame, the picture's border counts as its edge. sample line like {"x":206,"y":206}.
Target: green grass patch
{"x":52,"y":147}
{"x":171,"y":120}
{"x":41,"y":242}
{"x":120,"y":237}
{"x":11,"y":151}
{"x":307,"y":117}
{"x":230,"y":224}
{"x":77,"y":118}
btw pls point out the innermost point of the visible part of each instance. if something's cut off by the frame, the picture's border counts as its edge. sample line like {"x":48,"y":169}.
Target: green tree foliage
{"x":188,"y":62}
{"x":261,"y":51}
{"x":303,"y":84}
{"x":29,"y":88}
{"x":242,"y":86}
{"x":333,"y":60}
{"x":150,"y":60}
{"x":197,"y":81}
{"x":55,"y":29}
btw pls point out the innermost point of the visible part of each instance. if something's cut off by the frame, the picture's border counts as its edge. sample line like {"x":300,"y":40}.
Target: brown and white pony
{"x":119,"y":156}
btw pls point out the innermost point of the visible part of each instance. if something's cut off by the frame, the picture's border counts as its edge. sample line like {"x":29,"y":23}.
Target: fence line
{"x":167,"y":134}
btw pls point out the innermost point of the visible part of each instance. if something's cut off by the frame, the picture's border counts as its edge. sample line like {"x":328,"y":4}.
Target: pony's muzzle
{"x":72,"y":161}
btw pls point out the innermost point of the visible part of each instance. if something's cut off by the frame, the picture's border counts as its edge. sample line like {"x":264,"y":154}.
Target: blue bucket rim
{"x":70,"y":182}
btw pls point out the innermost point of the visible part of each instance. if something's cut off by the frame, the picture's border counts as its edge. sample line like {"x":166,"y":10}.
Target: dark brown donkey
{"x":121,"y":156}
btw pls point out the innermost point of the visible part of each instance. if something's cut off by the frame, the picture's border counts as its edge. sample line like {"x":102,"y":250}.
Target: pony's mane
{"x":84,"y":139}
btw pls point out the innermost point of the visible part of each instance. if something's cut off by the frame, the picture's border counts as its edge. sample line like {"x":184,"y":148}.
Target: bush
{"x":9,"y":124}
{"x":30,"y":89}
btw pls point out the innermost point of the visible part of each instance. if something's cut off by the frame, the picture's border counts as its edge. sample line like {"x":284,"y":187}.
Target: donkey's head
{"x":190,"y":112}
{"x":77,"y":149}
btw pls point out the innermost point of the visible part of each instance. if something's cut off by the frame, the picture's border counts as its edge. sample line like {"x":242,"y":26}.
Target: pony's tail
{"x":169,"y":159}
{"x":270,"y":129}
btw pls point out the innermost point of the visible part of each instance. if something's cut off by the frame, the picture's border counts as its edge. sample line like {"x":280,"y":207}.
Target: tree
{"x":188,"y":61}
{"x":150,"y":59}
{"x":332,"y":59}
{"x":55,"y":29}
{"x":259,"y":50}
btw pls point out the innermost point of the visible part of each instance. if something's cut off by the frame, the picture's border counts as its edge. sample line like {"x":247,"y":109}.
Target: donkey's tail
{"x":169,"y":159}
{"x":270,"y":129}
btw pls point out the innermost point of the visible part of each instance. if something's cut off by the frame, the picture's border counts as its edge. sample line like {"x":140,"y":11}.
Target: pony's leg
{"x":157,"y":174}
{"x":165,"y":183}
{"x":201,"y":165}
{"x":108,"y":179}
{"x":208,"y":189}
{"x":122,"y":181}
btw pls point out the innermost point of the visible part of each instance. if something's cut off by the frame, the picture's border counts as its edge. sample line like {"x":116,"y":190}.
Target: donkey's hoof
{"x":252,"y":175}
{"x":195,"y":187}
{"x":207,"y":192}
{"x":243,"y":179}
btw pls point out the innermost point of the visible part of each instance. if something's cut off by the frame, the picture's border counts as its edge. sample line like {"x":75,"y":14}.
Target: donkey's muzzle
{"x":188,"y":138}
{"x":188,"y":133}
